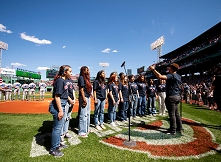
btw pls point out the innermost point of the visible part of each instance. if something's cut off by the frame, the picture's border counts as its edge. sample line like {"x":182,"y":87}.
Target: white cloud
{"x":42,"y":68}
{"x":3,"y":29}
{"x":64,"y":47}
{"x":17,"y":64}
{"x":33,"y":39}
{"x":114,"y":51}
{"x":107,"y":50}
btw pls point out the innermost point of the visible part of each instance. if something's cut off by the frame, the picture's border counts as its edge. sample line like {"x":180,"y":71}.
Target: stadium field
{"x":26,"y":126}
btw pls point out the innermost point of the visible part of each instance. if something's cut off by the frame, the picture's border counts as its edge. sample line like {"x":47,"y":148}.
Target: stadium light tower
{"x":104,"y":65}
{"x":158,"y":45}
{"x":3,"y":46}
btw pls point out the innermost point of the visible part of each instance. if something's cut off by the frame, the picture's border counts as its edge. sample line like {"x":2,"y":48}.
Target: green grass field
{"x":18,"y":131}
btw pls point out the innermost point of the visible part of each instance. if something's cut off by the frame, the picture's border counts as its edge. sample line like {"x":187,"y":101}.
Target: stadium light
{"x":3,"y":46}
{"x":158,"y":45}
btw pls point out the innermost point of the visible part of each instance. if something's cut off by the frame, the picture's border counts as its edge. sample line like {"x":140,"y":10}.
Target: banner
{"x":7,"y":71}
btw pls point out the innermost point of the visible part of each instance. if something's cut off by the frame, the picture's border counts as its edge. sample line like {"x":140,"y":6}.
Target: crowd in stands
{"x":191,"y":51}
{"x":198,"y":89}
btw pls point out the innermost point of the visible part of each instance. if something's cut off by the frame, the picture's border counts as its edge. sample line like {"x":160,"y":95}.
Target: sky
{"x":49,"y":33}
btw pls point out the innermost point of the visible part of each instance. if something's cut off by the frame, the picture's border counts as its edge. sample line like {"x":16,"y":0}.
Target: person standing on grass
{"x":133,"y":96}
{"x":17,"y":87}
{"x":2,"y":90}
{"x":32,"y":87}
{"x":42,"y":87}
{"x":113,"y":98}
{"x":173,"y":91}
{"x":8,"y":91}
{"x":186,"y":91}
{"x":85,"y":89}
{"x":211,"y":100}
{"x":216,"y":86}
{"x":142,"y":89}
{"x":161,"y":92}
{"x":57,"y":108}
{"x":151,"y":97}
{"x":68,"y":110}
{"x":100,"y":98}
{"x":121,"y":100}
{"x":25,"y":88}
{"x":125,"y":104}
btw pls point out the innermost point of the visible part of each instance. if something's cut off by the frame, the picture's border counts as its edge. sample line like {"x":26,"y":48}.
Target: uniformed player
{"x":32,"y":87}
{"x":17,"y":87}
{"x":42,"y":87}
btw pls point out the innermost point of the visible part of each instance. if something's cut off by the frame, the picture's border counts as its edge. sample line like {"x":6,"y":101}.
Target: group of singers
{"x":122,"y":92}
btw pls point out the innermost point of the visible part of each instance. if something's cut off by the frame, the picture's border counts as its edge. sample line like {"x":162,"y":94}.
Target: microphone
{"x":122,"y":64}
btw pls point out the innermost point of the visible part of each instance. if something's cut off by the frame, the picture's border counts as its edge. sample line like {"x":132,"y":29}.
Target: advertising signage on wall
{"x":140,"y":70}
{"x":50,"y":73}
{"x":27,"y":74}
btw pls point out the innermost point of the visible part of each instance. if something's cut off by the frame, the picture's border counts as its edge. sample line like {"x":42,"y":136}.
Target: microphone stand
{"x":128,"y":142}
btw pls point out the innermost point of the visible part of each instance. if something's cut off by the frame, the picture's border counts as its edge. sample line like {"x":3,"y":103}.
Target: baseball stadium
{"x":26,"y":124}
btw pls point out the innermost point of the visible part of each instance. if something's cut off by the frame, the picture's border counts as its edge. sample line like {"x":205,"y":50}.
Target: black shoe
{"x":56,"y":153}
{"x":180,"y":131}
{"x":62,"y":146}
{"x":171,"y":133}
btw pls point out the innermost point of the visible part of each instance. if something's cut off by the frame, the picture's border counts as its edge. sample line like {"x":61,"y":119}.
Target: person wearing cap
{"x":173,"y":83}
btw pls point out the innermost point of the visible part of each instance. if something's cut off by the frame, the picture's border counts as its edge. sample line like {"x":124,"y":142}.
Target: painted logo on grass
{"x":196,"y":141}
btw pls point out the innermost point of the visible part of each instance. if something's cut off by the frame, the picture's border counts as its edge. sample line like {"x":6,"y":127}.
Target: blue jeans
{"x":99,"y":111}
{"x":133,"y":104}
{"x":57,"y":124}
{"x":67,"y":117}
{"x":142,"y":105}
{"x":124,"y":108}
{"x":112,"y":110}
{"x":84,"y":116}
{"x":172,"y":107}
{"x":152,"y":105}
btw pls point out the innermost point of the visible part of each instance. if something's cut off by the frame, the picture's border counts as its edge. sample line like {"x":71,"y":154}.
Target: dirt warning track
{"x":31,"y":107}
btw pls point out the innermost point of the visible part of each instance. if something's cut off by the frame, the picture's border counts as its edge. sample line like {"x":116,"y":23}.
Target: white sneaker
{"x":62,"y":138}
{"x":67,"y":135}
{"x":116,"y":123}
{"x":113,"y":124}
{"x":102,"y":126}
{"x":98,"y":127}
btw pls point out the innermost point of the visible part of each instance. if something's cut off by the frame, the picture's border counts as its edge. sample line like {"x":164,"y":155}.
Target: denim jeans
{"x":57,"y":124}
{"x":84,"y":116}
{"x":152,"y":105}
{"x":123,"y":110}
{"x":67,"y":117}
{"x":99,"y":111}
{"x":142,"y":105}
{"x":112,"y":110}
{"x":133,"y":104}
{"x":172,"y":107}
